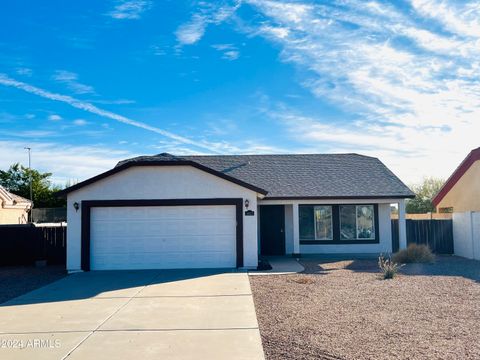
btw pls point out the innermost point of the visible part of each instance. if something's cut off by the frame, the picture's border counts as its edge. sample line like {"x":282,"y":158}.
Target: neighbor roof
{"x":317,"y":176}
{"x":473,"y":156}
{"x":11,"y":199}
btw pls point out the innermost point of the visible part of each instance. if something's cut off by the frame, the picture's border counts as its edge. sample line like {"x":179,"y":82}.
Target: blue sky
{"x":88,"y":83}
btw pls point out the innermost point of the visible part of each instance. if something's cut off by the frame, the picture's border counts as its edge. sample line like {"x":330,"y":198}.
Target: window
{"x":347,"y":223}
{"x":306,"y":222}
{"x":357,"y":222}
{"x":323,"y":223}
{"x":316,"y":222}
{"x":338,"y":224}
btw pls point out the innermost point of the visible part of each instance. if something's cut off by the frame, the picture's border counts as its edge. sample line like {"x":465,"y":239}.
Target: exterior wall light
{"x":247,"y":203}
{"x":76,"y":206}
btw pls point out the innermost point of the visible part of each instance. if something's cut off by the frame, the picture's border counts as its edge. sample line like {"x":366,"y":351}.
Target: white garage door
{"x":162,"y":237}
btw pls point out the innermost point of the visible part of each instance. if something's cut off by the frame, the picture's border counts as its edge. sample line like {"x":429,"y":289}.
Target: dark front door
{"x":272,"y":230}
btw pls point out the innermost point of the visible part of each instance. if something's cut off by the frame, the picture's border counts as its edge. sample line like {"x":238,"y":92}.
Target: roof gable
{"x":472,"y":157}
{"x":163,"y":160}
{"x":11,"y":199}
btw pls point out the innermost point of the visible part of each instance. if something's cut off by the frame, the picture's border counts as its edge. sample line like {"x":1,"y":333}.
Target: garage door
{"x":162,"y":237}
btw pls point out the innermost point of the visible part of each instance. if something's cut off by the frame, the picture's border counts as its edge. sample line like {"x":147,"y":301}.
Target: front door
{"x":272,"y":230}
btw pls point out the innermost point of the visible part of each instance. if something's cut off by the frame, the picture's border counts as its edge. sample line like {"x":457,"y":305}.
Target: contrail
{"x":86,"y":106}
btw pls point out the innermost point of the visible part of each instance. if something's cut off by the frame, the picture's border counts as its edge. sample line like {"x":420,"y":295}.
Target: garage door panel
{"x":163,"y":237}
{"x":172,"y":261}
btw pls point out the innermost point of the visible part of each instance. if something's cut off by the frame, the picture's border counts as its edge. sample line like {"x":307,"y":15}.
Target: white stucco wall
{"x":160,"y":182}
{"x":466,"y":234}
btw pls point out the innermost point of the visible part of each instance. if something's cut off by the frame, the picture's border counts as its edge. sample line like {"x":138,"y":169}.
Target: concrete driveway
{"x":170,"y":314}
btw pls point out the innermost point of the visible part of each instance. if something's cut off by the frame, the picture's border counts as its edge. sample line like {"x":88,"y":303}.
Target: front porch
{"x":337,"y":226}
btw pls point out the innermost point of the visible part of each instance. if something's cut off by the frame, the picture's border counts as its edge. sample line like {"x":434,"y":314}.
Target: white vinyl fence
{"x":466,"y":234}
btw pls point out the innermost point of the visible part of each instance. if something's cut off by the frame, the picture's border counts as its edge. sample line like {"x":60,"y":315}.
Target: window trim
{"x":336,"y":227}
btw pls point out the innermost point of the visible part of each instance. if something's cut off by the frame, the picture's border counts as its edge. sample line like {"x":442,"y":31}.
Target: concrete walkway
{"x":175,"y":314}
{"x":281,"y":265}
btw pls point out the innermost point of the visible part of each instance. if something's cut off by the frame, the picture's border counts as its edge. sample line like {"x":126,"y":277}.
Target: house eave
{"x":358,"y":197}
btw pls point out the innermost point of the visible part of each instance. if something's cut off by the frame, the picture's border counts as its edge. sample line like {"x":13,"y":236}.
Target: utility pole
{"x":30,"y":173}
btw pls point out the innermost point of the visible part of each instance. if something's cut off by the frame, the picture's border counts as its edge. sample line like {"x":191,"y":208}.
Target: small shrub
{"x":414,"y":253}
{"x":388,"y":267}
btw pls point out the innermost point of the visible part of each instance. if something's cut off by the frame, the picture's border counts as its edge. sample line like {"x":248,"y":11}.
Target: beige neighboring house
{"x":461,"y":192}
{"x":461,"y":196}
{"x":13,"y":208}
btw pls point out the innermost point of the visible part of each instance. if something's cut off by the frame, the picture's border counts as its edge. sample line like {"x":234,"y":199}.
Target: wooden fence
{"x":25,"y":244}
{"x":437,"y":234}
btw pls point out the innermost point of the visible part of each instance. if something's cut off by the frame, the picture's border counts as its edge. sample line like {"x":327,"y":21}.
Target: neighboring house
{"x":461,"y":195}
{"x":461,"y":192}
{"x":166,"y":211}
{"x":13,"y":208}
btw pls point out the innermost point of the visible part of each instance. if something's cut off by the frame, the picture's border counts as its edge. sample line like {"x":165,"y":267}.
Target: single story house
{"x":461,"y":192}
{"x":461,"y":195}
{"x":13,"y":208}
{"x":167,"y":211}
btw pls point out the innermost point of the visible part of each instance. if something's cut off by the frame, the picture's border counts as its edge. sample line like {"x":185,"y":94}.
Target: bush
{"x":414,"y":253}
{"x":388,"y":267}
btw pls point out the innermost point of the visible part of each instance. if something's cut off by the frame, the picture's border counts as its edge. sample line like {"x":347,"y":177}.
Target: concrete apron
{"x":173,"y":314}
{"x":281,"y":265}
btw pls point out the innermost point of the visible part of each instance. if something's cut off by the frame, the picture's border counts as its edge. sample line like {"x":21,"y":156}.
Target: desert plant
{"x":414,"y":253}
{"x":388,"y":267}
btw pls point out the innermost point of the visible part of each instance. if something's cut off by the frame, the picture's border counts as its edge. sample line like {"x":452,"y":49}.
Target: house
{"x":167,"y":211}
{"x":461,"y":192}
{"x":461,"y":195}
{"x":13,"y":208}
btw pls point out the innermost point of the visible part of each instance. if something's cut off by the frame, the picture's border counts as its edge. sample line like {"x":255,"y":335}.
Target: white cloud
{"x":80,"y":122}
{"x":70,"y":79}
{"x":462,"y":18}
{"x":192,"y":31}
{"x":130,"y":9}
{"x":24,"y":71}
{"x":275,"y":31}
{"x":189,"y":33}
{"x":54,"y":117}
{"x":34,"y":134}
{"x":65,"y":162}
{"x":412,"y":89}
{"x":231,"y":55}
{"x":287,"y":11}
{"x":86,"y":106}
{"x":112,"y":102}
{"x":229,"y":51}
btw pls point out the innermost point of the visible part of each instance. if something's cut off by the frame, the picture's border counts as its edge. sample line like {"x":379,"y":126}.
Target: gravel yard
{"x":18,"y":280}
{"x":343,"y":310}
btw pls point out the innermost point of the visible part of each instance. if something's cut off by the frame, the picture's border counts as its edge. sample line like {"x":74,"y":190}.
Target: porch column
{"x":402,"y":227}
{"x":296,"y":231}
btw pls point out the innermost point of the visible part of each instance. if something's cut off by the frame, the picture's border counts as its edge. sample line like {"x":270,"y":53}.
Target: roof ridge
{"x":289,"y":154}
